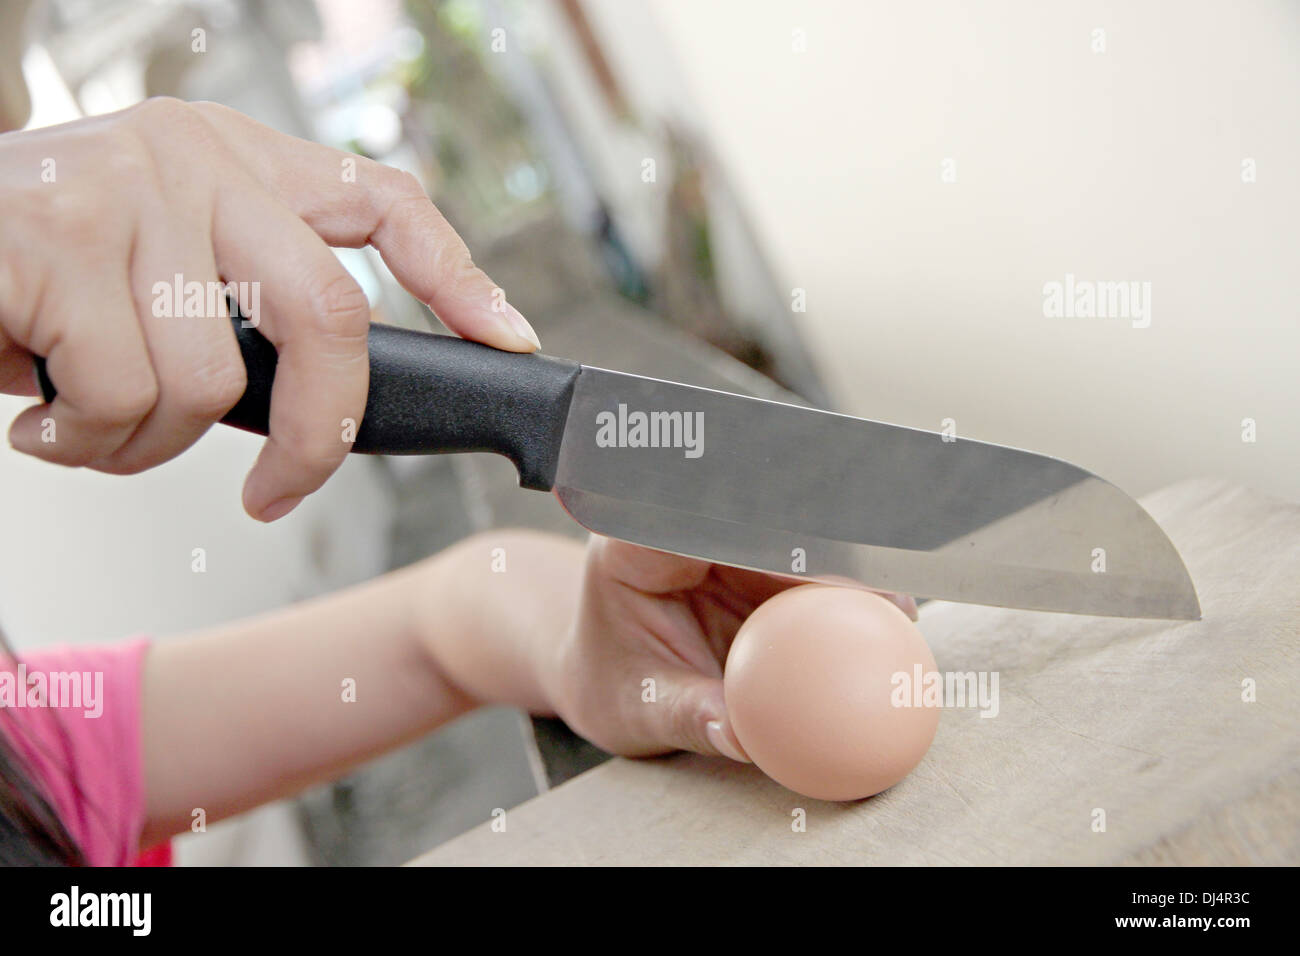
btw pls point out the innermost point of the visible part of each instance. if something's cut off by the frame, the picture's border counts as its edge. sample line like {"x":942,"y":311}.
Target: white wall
{"x":925,"y":299}
{"x":96,"y":557}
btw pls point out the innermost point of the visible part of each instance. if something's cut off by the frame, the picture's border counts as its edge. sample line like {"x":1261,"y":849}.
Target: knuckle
{"x":159,"y":111}
{"x":454,"y":266}
{"x":339,"y":309}
{"x":208,"y":107}
{"x":391,"y":193}
{"x":688,"y":718}
{"x":403,"y":185}
{"x":128,"y":402}
{"x":315,"y":452}
{"x":183,"y":125}
{"x":214,"y":390}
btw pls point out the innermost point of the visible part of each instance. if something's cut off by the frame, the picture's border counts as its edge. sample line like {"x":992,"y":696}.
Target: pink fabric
{"x":90,"y":767}
{"x":160,"y":855}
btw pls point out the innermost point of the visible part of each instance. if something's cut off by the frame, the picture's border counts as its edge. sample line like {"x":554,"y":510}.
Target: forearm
{"x":259,"y":709}
{"x":252,"y":711}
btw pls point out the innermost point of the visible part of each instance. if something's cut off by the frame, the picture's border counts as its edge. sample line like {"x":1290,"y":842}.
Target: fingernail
{"x":278,"y":509}
{"x":908,"y":604}
{"x":520,"y":326}
{"x":904,"y":602}
{"x":723,"y":744}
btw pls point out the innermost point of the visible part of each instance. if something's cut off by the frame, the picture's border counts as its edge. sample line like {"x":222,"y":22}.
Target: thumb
{"x":688,"y":712}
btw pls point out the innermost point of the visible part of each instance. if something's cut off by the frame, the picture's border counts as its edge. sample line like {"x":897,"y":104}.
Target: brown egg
{"x":811,"y":694}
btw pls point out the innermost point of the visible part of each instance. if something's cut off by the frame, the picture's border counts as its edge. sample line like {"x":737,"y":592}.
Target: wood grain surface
{"x":1144,"y":720}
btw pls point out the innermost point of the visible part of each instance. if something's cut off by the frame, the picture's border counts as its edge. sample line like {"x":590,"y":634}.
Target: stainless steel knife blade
{"x":758,"y":484}
{"x":821,"y":496}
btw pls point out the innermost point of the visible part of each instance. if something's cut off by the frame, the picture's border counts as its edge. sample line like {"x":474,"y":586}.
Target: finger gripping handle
{"x":432,"y":394}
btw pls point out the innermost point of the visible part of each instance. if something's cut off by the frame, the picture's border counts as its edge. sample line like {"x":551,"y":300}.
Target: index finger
{"x":349,"y":200}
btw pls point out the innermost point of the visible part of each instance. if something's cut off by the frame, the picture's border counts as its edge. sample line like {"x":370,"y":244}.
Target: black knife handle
{"x":432,"y":394}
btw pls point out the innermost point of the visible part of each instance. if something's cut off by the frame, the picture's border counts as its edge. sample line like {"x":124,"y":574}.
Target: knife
{"x":807,"y":494}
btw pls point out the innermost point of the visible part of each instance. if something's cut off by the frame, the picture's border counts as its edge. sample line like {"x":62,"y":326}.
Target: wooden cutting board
{"x":1142,"y":720}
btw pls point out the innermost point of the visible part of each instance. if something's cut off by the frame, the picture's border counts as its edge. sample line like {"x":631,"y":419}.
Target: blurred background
{"x":856,"y":205}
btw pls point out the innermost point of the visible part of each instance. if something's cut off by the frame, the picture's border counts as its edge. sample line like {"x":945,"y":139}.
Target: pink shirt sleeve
{"x":86,"y":750}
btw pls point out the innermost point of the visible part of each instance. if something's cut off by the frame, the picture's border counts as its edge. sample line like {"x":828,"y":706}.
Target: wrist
{"x":434,"y":615}
{"x":493,"y":613}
